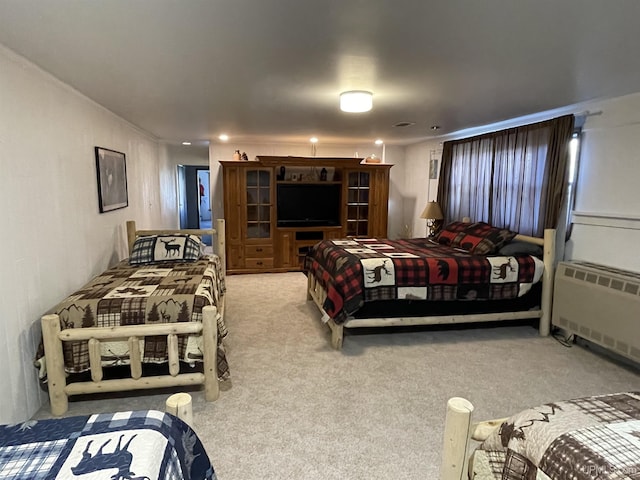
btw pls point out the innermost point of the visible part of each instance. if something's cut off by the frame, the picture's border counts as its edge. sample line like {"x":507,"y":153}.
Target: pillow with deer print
{"x":478,"y":238}
{"x":165,"y":248}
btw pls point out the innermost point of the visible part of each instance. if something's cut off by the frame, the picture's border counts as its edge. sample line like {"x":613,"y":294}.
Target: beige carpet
{"x":296,"y":409}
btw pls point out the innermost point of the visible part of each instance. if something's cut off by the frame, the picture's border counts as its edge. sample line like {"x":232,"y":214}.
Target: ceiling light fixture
{"x":313,"y":141}
{"x":186,"y":143}
{"x":223,"y":137}
{"x":378,"y":141}
{"x":356,"y":101}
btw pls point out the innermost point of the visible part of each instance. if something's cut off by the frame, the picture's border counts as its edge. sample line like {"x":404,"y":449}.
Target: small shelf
{"x":309,"y":174}
{"x":308,"y":182}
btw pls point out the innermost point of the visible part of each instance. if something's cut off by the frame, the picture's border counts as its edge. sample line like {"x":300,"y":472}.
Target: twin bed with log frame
{"x":317,"y":292}
{"x":580,"y":439}
{"x":54,"y":336}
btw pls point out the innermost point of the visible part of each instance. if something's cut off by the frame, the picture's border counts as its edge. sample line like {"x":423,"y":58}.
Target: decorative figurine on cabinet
{"x":236,"y":155}
{"x":244,"y":156}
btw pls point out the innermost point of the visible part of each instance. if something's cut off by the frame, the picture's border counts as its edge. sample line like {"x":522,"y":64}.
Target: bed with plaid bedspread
{"x":354,"y":271}
{"x":132,"y":445}
{"x":582,"y":439}
{"x":144,"y":294}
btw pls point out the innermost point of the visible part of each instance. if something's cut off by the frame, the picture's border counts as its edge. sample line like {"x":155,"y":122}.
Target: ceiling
{"x":272,"y":70}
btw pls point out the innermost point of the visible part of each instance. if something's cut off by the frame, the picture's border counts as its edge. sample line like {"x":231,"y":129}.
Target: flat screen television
{"x":308,"y":204}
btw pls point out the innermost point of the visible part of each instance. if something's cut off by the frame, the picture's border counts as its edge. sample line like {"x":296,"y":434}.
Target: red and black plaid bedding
{"x":354,"y":271}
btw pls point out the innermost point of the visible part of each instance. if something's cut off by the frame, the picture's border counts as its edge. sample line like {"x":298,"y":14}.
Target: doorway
{"x":194,"y":198}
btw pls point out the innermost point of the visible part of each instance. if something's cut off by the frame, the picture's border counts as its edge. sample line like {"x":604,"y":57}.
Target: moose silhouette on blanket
{"x":135,"y":445}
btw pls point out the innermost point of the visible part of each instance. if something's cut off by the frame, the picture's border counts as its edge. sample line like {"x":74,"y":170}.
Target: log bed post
{"x":210,"y":354}
{"x":457,"y":428}
{"x":180,"y":405}
{"x":311,"y":282}
{"x":547,"y":280}
{"x":56,"y":376}
{"x":318,"y":295}
{"x":337,"y":334}
{"x":131,"y":235}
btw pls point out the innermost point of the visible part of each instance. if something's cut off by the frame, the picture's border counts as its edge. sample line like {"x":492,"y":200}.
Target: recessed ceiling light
{"x":356,"y":101}
{"x":435,"y":127}
{"x":223,"y":137}
{"x":379,"y":141}
{"x":313,"y":140}
{"x":186,"y":143}
{"x":404,"y":124}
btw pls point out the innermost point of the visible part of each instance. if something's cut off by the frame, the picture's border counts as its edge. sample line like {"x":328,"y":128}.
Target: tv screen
{"x":308,"y":205}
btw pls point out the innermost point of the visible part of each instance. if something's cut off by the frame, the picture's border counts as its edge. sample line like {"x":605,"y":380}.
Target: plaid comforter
{"x":583,"y":439}
{"x":132,"y":295}
{"x":355,"y":271}
{"x":117,"y":446}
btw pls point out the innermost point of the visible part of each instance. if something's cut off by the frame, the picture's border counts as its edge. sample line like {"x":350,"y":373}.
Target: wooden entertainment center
{"x":276,"y":208}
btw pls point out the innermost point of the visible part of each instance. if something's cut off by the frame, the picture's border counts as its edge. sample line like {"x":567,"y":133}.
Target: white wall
{"x":607,"y":211}
{"x":418,"y":187}
{"x":393,"y":155}
{"x":53,"y":237}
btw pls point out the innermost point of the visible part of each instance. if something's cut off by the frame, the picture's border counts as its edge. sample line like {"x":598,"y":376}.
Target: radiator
{"x":600,"y":304}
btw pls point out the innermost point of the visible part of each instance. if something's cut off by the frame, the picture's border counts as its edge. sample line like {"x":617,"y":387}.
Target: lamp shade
{"x":356,"y":101}
{"x":432,"y":211}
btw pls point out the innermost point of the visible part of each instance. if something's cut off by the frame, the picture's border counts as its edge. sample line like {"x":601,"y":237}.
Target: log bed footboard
{"x":60,"y":390}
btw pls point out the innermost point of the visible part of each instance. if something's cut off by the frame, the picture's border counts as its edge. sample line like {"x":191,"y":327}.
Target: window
{"x":574,"y":155}
{"x":514,"y":178}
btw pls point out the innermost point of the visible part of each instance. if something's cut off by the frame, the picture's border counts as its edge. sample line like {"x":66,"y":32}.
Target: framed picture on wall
{"x":111,"y":168}
{"x":433,"y":169}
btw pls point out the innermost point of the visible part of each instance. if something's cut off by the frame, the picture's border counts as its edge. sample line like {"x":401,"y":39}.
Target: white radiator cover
{"x":600,"y":304}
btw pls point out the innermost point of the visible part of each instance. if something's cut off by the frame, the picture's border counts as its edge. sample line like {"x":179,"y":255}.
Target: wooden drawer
{"x":258,"y":251}
{"x":259,"y":262}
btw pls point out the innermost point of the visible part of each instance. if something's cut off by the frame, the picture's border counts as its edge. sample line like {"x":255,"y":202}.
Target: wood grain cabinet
{"x":258,"y":242}
{"x":367,"y":197}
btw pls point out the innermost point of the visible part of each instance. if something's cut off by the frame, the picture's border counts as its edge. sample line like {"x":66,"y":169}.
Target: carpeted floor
{"x":296,"y":409}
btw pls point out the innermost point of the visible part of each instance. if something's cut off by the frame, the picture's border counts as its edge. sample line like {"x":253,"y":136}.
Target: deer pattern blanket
{"x":117,"y":446}
{"x":354,"y":271}
{"x":582,"y":439}
{"x":132,"y":295}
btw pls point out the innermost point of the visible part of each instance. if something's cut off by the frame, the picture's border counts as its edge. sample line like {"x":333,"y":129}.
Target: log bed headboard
{"x":218,"y":233}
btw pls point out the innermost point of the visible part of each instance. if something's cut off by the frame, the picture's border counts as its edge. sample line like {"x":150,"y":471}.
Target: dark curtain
{"x":514,"y":178}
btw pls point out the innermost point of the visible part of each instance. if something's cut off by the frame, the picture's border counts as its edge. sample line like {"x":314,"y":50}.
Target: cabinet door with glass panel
{"x":258,"y":213}
{"x":357,"y":203}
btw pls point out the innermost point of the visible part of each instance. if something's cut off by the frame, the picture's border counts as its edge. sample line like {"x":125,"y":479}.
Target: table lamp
{"x":433,"y":214}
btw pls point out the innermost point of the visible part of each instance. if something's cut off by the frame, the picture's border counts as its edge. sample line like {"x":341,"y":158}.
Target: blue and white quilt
{"x":135,"y":445}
